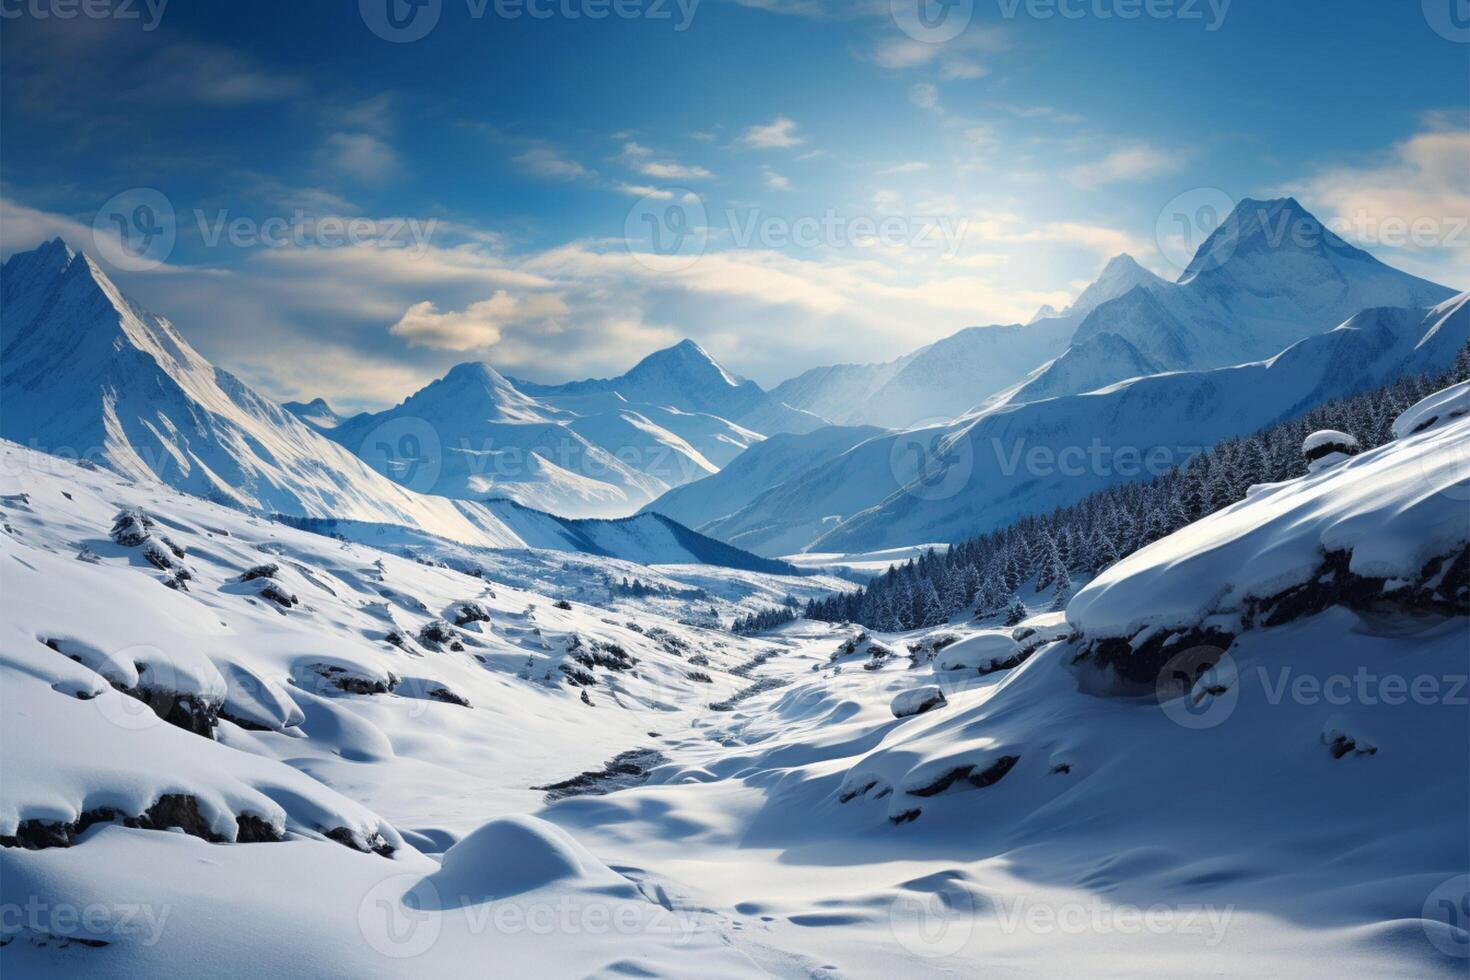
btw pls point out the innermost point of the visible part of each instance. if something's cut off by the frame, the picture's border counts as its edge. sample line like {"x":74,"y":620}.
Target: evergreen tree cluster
{"x":989,"y":573}
{"x":766,"y":619}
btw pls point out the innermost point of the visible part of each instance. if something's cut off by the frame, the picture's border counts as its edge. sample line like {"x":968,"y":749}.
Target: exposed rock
{"x":441,"y":693}
{"x":268,"y":571}
{"x":131,"y":527}
{"x":278,"y":595}
{"x":470,"y":612}
{"x":628,"y":769}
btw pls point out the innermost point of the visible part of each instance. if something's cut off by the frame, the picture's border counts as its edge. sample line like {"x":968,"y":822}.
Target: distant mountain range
{"x":85,"y":373}
{"x":843,"y":458}
{"x":1147,"y":369}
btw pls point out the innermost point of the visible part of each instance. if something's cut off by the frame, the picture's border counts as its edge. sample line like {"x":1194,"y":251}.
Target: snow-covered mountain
{"x":86,"y":373}
{"x":1270,"y":275}
{"x":315,"y":413}
{"x":393,"y":768}
{"x":743,"y":483}
{"x":472,"y":436}
{"x":952,"y":376}
{"x":952,"y":481}
{"x":686,"y":378}
{"x":1023,"y":459}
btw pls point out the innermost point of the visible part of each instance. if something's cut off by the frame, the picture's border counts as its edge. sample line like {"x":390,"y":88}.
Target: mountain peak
{"x":1122,"y":264}
{"x":476,"y":372}
{"x":685,"y":361}
{"x":1121,"y":275}
{"x":1259,"y":227}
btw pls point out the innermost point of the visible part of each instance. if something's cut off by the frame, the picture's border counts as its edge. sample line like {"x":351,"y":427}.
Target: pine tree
{"x":1064,"y":592}
{"x":1015,"y":613}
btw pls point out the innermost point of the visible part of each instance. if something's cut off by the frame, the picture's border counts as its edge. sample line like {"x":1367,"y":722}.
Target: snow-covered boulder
{"x":1328,"y":448}
{"x":985,"y":652}
{"x":916,"y":702}
{"x":1439,"y":408}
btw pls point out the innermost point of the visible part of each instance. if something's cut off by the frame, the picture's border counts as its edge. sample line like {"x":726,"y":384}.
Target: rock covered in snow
{"x":916,"y":702}
{"x":1441,"y":407}
{"x":1328,"y":448}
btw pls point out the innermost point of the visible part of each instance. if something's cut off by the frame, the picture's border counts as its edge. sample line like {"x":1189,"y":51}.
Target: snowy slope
{"x":315,"y":413}
{"x":644,"y":539}
{"x":240,"y":719}
{"x":776,"y":806}
{"x":775,"y":461}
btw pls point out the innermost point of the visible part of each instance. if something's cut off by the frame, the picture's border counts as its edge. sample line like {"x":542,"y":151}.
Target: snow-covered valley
{"x":231,"y":742}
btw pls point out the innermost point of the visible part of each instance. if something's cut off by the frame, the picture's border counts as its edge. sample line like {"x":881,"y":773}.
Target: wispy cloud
{"x":1137,"y":162}
{"x":925,"y":95}
{"x":778,"y":134}
{"x":777,"y":182}
{"x":912,"y":167}
{"x":544,"y":160}
{"x":363,"y":157}
{"x":1414,"y":198}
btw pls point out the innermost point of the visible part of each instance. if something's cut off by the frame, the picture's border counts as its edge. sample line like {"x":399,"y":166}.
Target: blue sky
{"x":830,"y":186}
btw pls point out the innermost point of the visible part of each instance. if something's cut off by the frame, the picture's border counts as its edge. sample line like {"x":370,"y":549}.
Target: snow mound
{"x":515,"y":855}
{"x":1394,"y":512}
{"x":1441,"y":407}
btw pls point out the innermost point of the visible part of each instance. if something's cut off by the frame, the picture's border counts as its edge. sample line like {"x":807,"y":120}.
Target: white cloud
{"x":644,"y":190}
{"x":777,"y":182}
{"x":543,"y":160}
{"x":1137,"y":162}
{"x":1421,"y":183}
{"x":481,"y":325}
{"x":778,"y":134}
{"x":912,"y":167}
{"x":925,"y":95}
{"x":362,"y":157}
{"x":641,"y":159}
{"x":957,"y":59}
